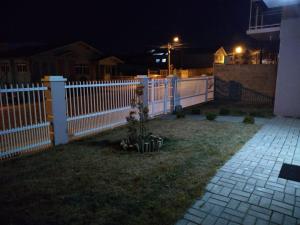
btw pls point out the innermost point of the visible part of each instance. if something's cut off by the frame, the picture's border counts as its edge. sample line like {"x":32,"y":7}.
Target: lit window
{"x":164,"y":60}
{"x":82,"y":69}
{"x":4,"y":67}
{"x":21,"y":67}
{"x":157,"y":60}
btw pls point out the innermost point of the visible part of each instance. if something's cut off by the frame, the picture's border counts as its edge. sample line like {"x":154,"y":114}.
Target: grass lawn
{"x":235,"y":109}
{"x":92,"y":182}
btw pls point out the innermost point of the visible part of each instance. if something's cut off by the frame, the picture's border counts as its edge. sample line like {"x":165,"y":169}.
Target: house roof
{"x":16,"y":50}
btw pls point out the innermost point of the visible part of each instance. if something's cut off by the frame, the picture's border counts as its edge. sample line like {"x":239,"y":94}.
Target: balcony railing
{"x":262,"y":18}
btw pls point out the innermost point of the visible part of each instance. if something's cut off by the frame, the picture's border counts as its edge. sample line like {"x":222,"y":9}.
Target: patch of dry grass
{"x":87,"y":182}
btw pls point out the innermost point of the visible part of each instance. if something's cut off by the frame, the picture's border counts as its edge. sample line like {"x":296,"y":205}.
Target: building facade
{"x":75,"y":61}
{"x":269,"y":20}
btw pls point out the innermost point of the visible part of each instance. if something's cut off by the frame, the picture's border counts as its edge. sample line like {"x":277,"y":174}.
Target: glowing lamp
{"x":239,"y":50}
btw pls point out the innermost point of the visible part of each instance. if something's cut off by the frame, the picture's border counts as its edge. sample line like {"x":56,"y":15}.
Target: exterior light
{"x":239,"y":50}
{"x":176,"y":39}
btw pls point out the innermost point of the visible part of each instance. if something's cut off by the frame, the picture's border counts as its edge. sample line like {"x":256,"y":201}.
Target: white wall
{"x":287,"y":98}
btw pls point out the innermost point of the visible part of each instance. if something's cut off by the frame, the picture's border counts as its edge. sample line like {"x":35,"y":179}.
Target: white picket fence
{"x":95,"y":106}
{"x":24,"y":126}
{"x":90,"y":107}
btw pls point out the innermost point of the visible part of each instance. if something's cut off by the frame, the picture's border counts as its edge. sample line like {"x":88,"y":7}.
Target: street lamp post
{"x":170,"y":46}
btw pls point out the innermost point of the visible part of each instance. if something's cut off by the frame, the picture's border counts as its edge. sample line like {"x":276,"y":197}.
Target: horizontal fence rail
{"x":96,"y":106}
{"x":24,"y":126}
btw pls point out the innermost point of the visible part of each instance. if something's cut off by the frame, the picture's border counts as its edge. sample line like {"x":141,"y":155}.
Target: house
{"x":220,"y":56}
{"x":245,"y":56}
{"x":75,"y":61}
{"x":280,"y":20}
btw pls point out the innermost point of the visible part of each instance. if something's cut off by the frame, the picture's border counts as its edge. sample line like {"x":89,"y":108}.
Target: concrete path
{"x":247,"y":190}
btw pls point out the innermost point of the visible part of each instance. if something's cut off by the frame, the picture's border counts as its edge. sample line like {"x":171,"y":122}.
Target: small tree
{"x":138,"y":136}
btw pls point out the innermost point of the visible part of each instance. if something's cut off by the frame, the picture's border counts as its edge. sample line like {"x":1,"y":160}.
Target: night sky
{"x":125,"y":25}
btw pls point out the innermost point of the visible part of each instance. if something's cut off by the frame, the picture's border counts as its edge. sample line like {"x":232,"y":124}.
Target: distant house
{"x":220,"y":56}
{"x":75,"y":61}
{"x":247,"y":56}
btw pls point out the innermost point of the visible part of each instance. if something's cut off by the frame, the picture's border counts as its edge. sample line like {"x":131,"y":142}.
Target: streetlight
{"x":170,"y":46}
{"x":239,"y":50}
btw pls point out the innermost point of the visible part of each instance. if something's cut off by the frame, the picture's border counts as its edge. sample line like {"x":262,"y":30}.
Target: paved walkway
{"x":247,"y":190}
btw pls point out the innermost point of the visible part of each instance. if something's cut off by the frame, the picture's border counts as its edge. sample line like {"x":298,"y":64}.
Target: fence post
{"x":175,"y":100}
{"x":144,"y":81}
{"x":56,"y":107}
{"x":206,"y":89}
{"x":166,"y":95}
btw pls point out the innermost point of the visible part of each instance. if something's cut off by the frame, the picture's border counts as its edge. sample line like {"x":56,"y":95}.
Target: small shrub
{"x":211,"y":116}
{"x":249,"y":120}
{"x":224,"y":111}
{"x":179,"y":112}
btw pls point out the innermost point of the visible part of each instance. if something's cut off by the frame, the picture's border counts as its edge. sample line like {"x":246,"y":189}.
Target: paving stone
{"x":289,"y":220}
{"x":254,"y":199}
{"x":249,"y":188}
{"x":230,"y":217}
{"x":197,"y":213}
{"x":220,"y":198}
{"x":281,"y":210}
{"x":234,"y":213}
{"x":249,"y":220}
{"x":290,"y":190}
{"x":207,"y":207}
{"x":258,"y":215}
{"x":209,"y":220}
{"x":241,"y":193}
{"x":265,"y":202}
{"x":262,"y":222}
{"x":279,"y":196}
{"x":297,"y":212}
{"x":233,"y":223}
{"x":225,"y":191}
{"x":193,"y":218}
{"x":238,"y":197}
{"x":221,"y":221}
{"x":277,"y":217}
{"x":262,"y":194}
{"x":290,"y":199}
{"x":217,"y":210}
{"x":233,"y":204}
{"x":261,"y":210}
{"x":217,"y":202}
{"x":282,"y":205}
{"x":243,"y":207}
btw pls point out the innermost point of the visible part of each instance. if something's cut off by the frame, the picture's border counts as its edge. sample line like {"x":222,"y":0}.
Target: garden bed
{"x":93,"y":182}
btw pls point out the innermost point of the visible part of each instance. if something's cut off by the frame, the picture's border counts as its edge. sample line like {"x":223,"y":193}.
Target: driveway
{"x":247,"y":190}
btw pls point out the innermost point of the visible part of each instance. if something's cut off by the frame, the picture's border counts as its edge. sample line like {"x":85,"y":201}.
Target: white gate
{"x":159,"y":96}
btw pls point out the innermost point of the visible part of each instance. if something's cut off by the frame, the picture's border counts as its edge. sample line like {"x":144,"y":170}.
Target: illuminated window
{"x":164,"y":60}
{"x":4,"y":67}
{"x":82,"y":69}
{"x":157,"y":60}
{"x":21,"y":67}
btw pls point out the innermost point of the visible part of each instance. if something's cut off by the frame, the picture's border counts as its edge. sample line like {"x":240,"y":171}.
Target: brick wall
{"x":259,"y":78}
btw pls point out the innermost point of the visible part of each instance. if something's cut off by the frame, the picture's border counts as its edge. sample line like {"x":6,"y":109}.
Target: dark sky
{"x":125,"y":25}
